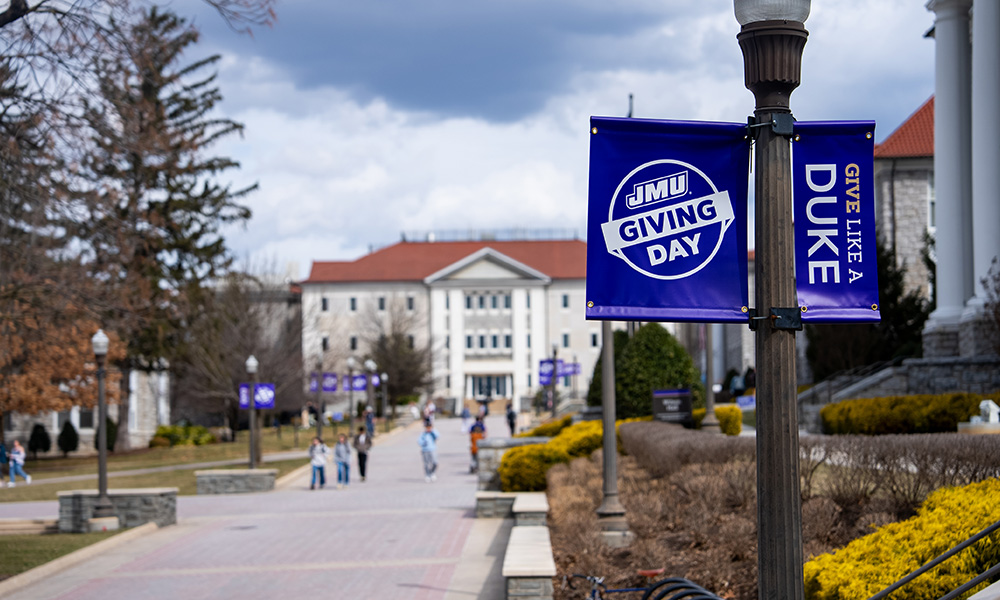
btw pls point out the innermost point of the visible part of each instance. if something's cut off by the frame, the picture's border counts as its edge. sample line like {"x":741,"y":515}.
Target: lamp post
{"x":772,"y":36}
{"x":710,"y":423}
{"x":385,"y":399}
{"x":319,"y":399}
{"x":370,"y":366}
{"x":611,"y":513}
{"x":251,"y":366}
{"x":555,"y":376}
{"x":103,"y":507}
{"x":351,"y":365}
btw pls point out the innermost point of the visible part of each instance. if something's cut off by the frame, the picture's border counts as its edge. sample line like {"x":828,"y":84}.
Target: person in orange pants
{"x":476,"y":433}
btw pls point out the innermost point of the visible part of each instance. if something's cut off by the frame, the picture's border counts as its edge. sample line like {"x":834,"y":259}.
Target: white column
{"x":952,"y":170}
{"x":985,"y":150}
{"x":456,"y":331}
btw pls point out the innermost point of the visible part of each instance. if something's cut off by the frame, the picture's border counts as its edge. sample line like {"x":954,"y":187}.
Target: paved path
{"x":392,"y":536}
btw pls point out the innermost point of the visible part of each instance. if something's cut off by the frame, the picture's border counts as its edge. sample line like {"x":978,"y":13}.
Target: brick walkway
{"x":392,"y":536}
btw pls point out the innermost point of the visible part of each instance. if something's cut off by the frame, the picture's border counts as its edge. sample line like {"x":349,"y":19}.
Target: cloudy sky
{"x":365,"y":119}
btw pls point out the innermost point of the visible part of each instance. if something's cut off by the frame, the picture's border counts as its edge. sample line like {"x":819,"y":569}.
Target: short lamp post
{"x":772,"y":36}
{"x":251,"y":366}
{"x":371,"y":367}
{"x":352,"y":364}
{"x":384,"y":381}
{"x":555,"y":377}
{"x":103,"y":508}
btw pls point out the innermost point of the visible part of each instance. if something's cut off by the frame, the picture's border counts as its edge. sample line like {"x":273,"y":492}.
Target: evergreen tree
{"x":111,"y":429}
{"x":68,"y":439}
{"x":652,"y":360}
{"x":836,"y":347}
{"x":39,"y":441}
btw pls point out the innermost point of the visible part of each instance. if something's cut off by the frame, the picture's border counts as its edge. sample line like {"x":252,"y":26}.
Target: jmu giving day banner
{"x":667,"y":221}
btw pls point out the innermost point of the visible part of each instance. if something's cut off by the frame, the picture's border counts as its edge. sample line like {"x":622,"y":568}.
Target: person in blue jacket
{"x":428,"y":450}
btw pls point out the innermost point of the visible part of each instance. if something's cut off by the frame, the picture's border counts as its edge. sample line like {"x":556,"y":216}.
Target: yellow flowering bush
{"x":900,"y":414}
{"x":872,"y":563}
{"x":730,"y":418}
{"x":550,"y":429}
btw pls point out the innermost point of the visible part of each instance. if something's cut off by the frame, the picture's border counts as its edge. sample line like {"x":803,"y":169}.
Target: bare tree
{"x":393,"y":336}
{"x":246,"y":316}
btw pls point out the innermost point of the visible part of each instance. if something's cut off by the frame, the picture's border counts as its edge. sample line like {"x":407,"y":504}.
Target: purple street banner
{"x":313,"y":381}
{"x":360,"y":383}
{"x":329,"y":382}
{"x":545,"y":371}
{"x":833,"y":194}
{"x":667,"y":221}
{"x":263,"y":395}
{"x":568,"y":369}
{"x":376,"y":380}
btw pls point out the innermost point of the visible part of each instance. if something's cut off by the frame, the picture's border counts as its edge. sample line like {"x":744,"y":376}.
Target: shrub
{"x":869,"y":564}
{"x":39,"y":441}
{"x":730,"y":418}
{"x":900,"y":414}
{"x":581,"y":439}
{"x":550,"y":429}
{"x":112,"y":434}
{"x":523,"y":469}
{"x":186,"y":435}
{"x":652,"y":360}
{"x":68,"y":439}
{"x":159,"y":442}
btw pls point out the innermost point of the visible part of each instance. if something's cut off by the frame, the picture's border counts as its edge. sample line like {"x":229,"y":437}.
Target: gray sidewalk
{"x":392,"y":536}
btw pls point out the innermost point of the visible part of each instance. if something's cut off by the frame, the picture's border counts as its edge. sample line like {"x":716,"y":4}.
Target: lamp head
{"x":385,"y":377}
{"x":99,"y":343}
{"x":252,"y":364}
{"x":351,"y":363}
{"x":755,"y":11}
{"x":370,"y":365}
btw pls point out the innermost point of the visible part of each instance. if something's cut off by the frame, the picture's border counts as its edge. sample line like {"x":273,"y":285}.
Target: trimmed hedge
{"x":730,"y":418}
{"x":900,"y":414}
{"x":523,"y":469}
{"x":869,"y":564}
{"x":183,"y":435}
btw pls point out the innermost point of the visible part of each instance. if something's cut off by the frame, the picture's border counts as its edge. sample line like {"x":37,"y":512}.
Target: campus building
{"x":489,"y":311}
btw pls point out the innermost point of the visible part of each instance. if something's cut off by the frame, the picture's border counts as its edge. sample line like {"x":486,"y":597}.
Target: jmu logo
{"x":667,"y":219}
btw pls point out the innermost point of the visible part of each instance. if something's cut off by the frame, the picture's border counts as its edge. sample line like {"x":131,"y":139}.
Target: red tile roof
{"x":914,"y":138}
{"x":413,"y":261}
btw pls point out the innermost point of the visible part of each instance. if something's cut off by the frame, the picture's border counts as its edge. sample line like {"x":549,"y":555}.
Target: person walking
{"x":3,"y":460}
{"x":370,"y":426}
{"x":511,"y":419}
{"x":362,"y":444}
{"x":476,"y":433}
{"x":318,"y":455}
{"x":428,"y":450}
{"x":342,"y":454}
{"x":17,"y":464}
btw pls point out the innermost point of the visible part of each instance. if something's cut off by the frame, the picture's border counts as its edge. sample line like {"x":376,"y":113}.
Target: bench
{"x":528,"y":566}
{"x":235,"y":481}
{"x":530,"y":508}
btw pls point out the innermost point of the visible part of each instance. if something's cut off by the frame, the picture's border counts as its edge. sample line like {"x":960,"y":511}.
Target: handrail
{"x":935,"y":562}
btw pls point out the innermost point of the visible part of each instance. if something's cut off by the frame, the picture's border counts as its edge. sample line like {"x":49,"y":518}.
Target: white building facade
{"x":490,"y":311}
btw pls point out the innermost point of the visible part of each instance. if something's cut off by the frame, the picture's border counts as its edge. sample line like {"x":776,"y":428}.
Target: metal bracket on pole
{"x":782,"y":124}
{"x":781,"y":318}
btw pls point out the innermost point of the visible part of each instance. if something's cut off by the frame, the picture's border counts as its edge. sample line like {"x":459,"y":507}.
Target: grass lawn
{"x":182,"y":479}
{"x":20,"y":553}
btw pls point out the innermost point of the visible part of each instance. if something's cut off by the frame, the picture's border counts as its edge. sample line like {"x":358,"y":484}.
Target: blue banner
{"x":329,"y":382}
{"x":545,"y":371}
{"x":833,"y":193}
{"x":360,"y":382}
{"x":263,"y":395}
{"x":667,"y":221}
{"x":313,"y":381}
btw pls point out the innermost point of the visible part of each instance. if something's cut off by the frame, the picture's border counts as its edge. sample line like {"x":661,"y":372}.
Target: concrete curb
{"x":62,"y":563}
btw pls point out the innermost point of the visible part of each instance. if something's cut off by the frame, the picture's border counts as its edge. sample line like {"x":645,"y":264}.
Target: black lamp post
{"x":555,"y":376}
{"x":370,"y":366}
{"x":351,"y":365}
{"x":772,"y":37}
{"x":384,"y":381}
{"x":251,"y":366}
{"x":320,"y":409}
{"x":103,"y":508}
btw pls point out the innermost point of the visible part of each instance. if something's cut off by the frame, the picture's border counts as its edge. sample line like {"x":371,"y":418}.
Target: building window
{"x":325,"y":343}
{"x":496,"y":341}
{"x":931,"y":202}
{"x":354,"y":304}
{"x":468,"y":342}
{"x":354,"y":342}
{"x":324,"y":304}
{"x":565,"y":300}
{"x":381,"y":302}
{"x":527,"y":300}
{"x":447,"y":301}
{"x":447,"y":341}
{"x":529,"y":380}
{"x":506,"y":341}
{"x":86,"y":418}
{"x":593,"y":340}
{"x":412,"y":341}
{"x":482,"y":302}
{"x":565,"y":340}
{"x":409,"y":303}
{"x":506,"y":301}
{"x":482,"y":341}
{"x":566,"y":381}
{"x":447,"y":381}
{"x":528,"y":342}
{"x":468,"y":302}
{"x":495,"y":301}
